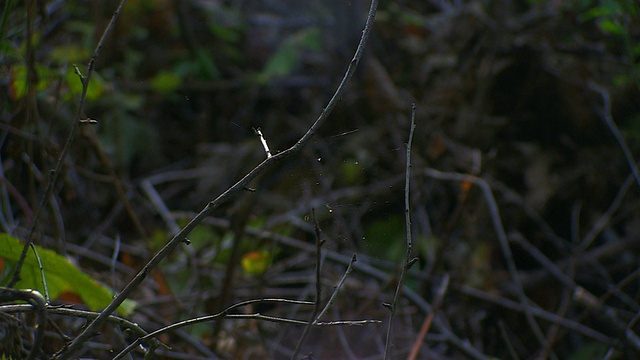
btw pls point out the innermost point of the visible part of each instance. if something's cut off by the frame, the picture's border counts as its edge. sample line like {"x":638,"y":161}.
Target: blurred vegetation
{"x":504,"y":92}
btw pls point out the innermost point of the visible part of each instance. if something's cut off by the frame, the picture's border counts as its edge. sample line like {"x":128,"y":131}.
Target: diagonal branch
{"x":227,"y":195}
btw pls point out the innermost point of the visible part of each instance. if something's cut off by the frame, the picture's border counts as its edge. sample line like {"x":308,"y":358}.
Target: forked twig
{"x":365,"y":268}
{"x":226,"y":195}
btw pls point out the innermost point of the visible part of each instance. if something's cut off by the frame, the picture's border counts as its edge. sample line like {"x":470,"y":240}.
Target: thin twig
{"x":222,"y":314}
{"x":344,"y":342}
{"x":40,"y":303}
{"x":239,"y":220}
{"x":409,"y":243}
{"x":502,"y":239}
{"x":580,"y":294}
{"x":226,"y":195}
{"x":605,"y":219}
{"x":540,"y":313}
{"x":160,"y":206}
{"x":608,"y":120}
{"x":114,"y":261}
{"x":338,"y":287}
{"x":84,"y":314}
{"x":507,"y":341}
{"x":106,"y":163}
{"x":316,"y":307}
{"x":442,"y":290}
{"x":607,"y":315}
{"x":43,"y":277}
{"x":226,"y":315}
{"x":53,"y":175}
{"x":364,"y":267}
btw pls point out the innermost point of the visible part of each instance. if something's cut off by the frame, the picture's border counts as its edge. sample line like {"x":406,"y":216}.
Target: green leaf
{"x":18,"y":80}
{"x":127,"y":138}
{"x":202,"y":237}
{"x":288,"y":56}
{"x":207,"y":64}
{"x":594,"y":350}
{"x":386,"y":238}
{"x":225,"y":33}
{"x":61,"y":276}
{"x":309,"y":39}
{"x":69,"y":54}
{"x":95,"y":90}
{"x":256,"y":262}
{"x":610,"y":26}
{"x":282,"y":63}
{"x":165,"y":82}
{"x":352,"y":171}
{"x":593,"y":13}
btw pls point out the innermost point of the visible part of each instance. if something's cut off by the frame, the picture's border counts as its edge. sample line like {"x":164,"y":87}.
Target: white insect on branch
{"x":263,"y":141}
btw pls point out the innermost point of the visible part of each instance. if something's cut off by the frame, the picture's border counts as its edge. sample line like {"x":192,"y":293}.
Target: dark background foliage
{"x":511,"y":92}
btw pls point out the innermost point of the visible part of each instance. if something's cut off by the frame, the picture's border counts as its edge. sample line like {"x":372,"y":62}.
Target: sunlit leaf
{"x":18,"y":80}
{"x":256,"y":262}
{"x":62,"y":277}
{"x":165,"y":82}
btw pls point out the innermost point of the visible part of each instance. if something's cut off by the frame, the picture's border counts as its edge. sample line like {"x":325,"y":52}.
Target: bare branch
{"x":53,"y":175}
{"x":426,"y":325}
{"x":226,"y":195}
{"x":338,"y":287}
{"x":407,"y":261}
{"x":316,"y":308}
{"x":502,"y":239}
